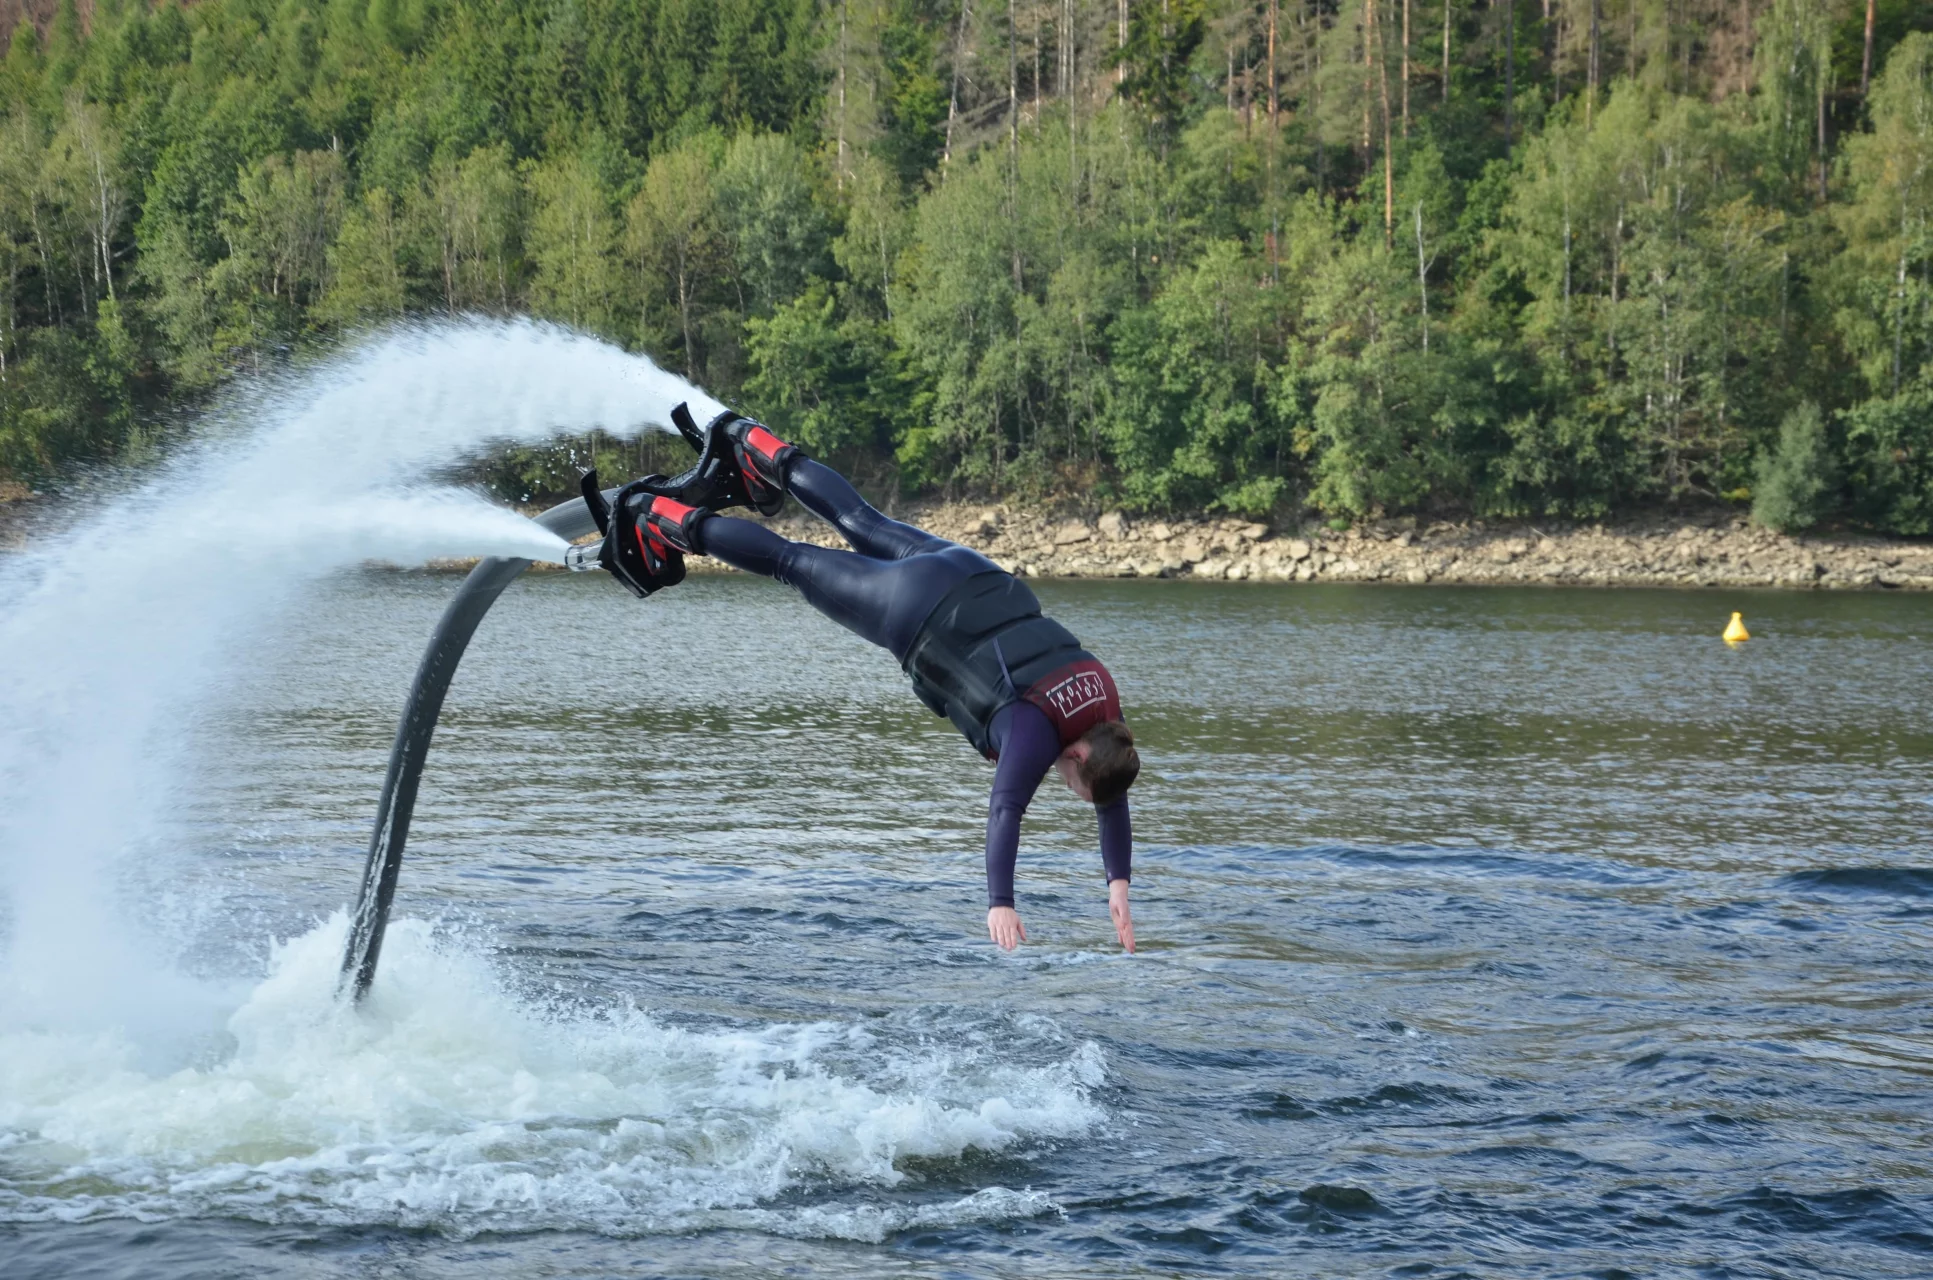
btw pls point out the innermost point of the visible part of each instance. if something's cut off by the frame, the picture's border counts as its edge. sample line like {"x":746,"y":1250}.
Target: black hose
{"x":570,"y":521}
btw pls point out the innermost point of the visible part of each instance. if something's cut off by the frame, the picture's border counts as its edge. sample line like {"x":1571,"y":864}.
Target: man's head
{"x":1102,"y":764}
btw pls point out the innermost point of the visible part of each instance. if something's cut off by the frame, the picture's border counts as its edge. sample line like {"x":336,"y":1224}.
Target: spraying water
{"x":448,"y":1102}
{"x":104,"y":654}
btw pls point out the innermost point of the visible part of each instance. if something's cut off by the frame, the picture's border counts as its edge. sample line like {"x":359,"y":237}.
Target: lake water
{"x":1494,"y":933}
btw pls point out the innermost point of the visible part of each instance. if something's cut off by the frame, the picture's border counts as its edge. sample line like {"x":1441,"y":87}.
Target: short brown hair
{"x":1112,"y":763}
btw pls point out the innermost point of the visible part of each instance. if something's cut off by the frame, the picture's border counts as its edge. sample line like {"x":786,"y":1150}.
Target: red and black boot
{"x":762,"y":461}
{"x":758,"y":460}
{"x":671,"y":526}
{"x":640,"y":557}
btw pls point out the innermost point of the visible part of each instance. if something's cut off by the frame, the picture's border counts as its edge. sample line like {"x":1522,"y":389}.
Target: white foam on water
{"x":447,"y":1103}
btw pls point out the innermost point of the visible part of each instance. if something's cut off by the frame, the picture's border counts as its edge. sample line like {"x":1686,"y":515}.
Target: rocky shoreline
{"x":1714,"y":550}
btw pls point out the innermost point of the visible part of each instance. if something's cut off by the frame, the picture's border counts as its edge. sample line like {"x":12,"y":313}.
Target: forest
{"x":1282,"y":258}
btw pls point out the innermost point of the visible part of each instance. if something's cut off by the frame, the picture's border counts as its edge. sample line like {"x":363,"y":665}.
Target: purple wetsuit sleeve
{"x":1117,"y":839}
{"x":1028,"y":746}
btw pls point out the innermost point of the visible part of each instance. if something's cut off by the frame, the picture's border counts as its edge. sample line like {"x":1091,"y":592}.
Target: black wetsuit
{"x":884,"y":590}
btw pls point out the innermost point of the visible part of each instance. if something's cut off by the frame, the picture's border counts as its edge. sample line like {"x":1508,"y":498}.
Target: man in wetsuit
{"x":970,"y":635}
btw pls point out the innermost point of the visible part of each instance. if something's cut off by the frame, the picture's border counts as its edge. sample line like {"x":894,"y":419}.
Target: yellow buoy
{"x":1735,"y":630}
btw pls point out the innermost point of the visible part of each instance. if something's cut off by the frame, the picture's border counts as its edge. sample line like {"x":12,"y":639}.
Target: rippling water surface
{"x":1495,"y":933}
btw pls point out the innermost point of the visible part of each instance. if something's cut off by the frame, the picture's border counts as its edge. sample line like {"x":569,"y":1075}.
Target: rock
{"x":1239,"y":572}
{"x":1192,"y":551}
{"x":988,"y":522}
{"x":1416,"y":574}
{"x":1160,"y":532}
{"x":1405,"y":539}
{"x":1252,"y":532}
{"x":1113,"y":526}
{"x":1072,"y":532}
{"x":1297,"y":549}
{"x":1212,"y":569}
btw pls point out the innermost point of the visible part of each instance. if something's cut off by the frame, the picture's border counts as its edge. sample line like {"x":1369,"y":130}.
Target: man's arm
{"x":1117,"y":859}
{"x":1028,"y":746}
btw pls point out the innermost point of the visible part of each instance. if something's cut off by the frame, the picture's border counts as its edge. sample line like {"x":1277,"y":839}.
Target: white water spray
{"x":110,"y":640}
{"x":444,"y":1101}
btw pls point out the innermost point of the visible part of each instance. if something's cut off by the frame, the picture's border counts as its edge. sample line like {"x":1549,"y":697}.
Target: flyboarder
{"x":969,"y":634}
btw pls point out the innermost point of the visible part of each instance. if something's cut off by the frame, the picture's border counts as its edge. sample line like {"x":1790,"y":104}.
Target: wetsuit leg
{"x":882,"y":600}
{"x":831,"y":497}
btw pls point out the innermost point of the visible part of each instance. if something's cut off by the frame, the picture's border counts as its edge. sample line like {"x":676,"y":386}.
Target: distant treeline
{"x":1517,"y":257}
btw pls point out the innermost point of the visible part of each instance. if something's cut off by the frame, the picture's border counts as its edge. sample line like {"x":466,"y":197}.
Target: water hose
{"x":570,"y":521}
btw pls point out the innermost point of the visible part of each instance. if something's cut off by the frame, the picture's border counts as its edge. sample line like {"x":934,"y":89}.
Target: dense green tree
{"x":573,"y":242}
{"x":674,"y":238}
{"x":1794,"y":480}
{"x":766,"y":210}
{"x":1332,"y":259}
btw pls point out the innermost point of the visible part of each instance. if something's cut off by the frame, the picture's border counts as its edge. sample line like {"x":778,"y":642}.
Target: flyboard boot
{"x":633,"y":551}
{"x":650,"y":528}
{"x":758,"y":459}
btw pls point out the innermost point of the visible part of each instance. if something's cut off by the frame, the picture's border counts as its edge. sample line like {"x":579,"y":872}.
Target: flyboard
{"x":569,"y":521}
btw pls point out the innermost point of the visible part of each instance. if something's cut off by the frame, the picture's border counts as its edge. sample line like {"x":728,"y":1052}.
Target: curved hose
{"x":570,"y":520}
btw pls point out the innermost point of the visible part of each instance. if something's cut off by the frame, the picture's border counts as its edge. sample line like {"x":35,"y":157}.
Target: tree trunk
{"x":1824,"y":75}
{"x":1899,"y":316}
{"x":839,"y":170}
{"x":1590,"y":98}
{"x":1248,"y":95}
{"x":684,"y":315}
{"x":1866,"y":64}
{"x":1036,"y":67}
{"x":1389,"y":153}
{"x":1068,"y":90}
{"x":1406,"y":4}
{"x":1365,"y":32}
{"x":1013,"y":148}
{"x":953,"y":100}
{"x":1422,"y":277}
{"x":1553,"y":40}
{"x":1274,"y":104}
{"x":1509,"y":77}
{"x":1445,"y":86}
{"x":1315,"y":120}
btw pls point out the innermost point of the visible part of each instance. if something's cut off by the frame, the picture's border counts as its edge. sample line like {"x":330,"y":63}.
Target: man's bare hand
{"x":1004,"y":927}
{"x":1117,"y":909}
